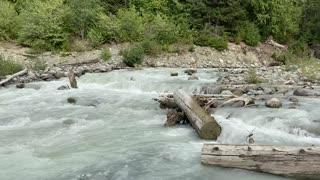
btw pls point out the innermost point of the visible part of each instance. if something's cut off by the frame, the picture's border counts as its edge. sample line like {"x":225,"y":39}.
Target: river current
{"x":115,"y":131}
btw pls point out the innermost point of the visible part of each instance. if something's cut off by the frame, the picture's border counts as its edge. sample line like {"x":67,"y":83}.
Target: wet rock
{"x":238,"y":104}
{"x":273,"y":103}
{"x":302,"y":92}
{"x":63,"y":88}
{"x":59,"y":75}
{"x":193,"y":77}
{"x":210,"y":90}
{"x":20,"y":86}
{"x":174,"y":74}
{"x":47,"y":77}
{"x":32,"y":86}
{"x":174,"y":117}
{"x":132,"y":79}
{"x":293,"y":99}
{"x":71,"y":100}
{"x":227,"y":93}
{"x":190,"y":71}
{"x":69,"y":122}
{"x":268,"y":90}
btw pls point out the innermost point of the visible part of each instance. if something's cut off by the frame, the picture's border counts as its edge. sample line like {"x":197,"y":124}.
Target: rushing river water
{"x":118,"y":133}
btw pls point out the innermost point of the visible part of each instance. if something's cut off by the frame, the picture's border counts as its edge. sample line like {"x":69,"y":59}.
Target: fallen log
{"x":20,"y":73}
{"x":298,"y":162}
{"x":205,"y":125}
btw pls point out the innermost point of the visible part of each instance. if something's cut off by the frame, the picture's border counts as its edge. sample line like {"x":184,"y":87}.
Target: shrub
{"x":253,"y":78}
{"x":39,"y":64}
{"x":163,"y":30}
{"x":80,"y":45}
{"x":42,"y":25}
{"x":8,"y":21}
{"x":249,"y":33}
{"x":130,"y":26}
{"x":208,"y":38}
{"x":106,"y":55}
{"x":133,"y":56}
{"x":151,"y":47}
{"x":8,"y":67}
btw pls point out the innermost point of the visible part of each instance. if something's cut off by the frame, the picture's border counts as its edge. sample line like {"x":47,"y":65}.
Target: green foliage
{"x":151,"y":47}
{"x":206,"y":38}
{"x":279,"y":18}
{"x":311,"y":22}
{"x":8,"y":67}
{"x":42,"y":25}
{"x":253,"y":78}
{"x":106,"y":55}
{"x":249,"y":33}
{"x":130,"y":25}
{"x":133,"y":56}
{"x":81,"y":15}
{"x":39,"y":64}
{"x":163,"y":30}
{"x":8,"y":21}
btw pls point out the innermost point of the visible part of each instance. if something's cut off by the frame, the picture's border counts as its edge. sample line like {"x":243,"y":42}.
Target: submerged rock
{"x":190,"y":71}
{"x":20,"y":86}
{"x":227,"y":93}
{"x":193,"y":77}
{"x":63,"y":88}
{"x":174,"y":74}
{"x":293,"y":99}
{"x":273,"y":103}
{"x":69,"y":122}
{"x":210,"y":90}
{"x":72,"y":100}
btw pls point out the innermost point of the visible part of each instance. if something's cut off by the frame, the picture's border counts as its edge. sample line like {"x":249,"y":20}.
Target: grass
{"x":8,"y":67}
{"x":253,"y":78}
{"x":106,"y":55}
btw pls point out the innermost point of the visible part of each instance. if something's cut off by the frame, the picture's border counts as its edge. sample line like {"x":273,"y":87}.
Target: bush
{"x":106,"y":55}
{"x":39,"y":64}
{"x":80,"y":45}
{"x":249,"y":33}
{"x":253,"y":78}
{"x":42,"y":25}
{"x":130,"y":26}
{"x":150,"y":47}
{"x":163,"y":30}
{"x":8,"y":67}
{"x":206,"y":38}
{"x":133,"y":56}
{"x":8,"y":21}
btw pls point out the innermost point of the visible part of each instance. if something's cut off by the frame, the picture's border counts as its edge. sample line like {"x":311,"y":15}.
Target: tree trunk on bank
{"x":298,"y":162}
{"x":205,"y":125}
{"x":20,"y":73}
{"x":72,"y":80}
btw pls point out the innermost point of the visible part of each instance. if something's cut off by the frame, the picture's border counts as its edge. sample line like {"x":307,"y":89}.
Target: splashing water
{"x":115,"y":131}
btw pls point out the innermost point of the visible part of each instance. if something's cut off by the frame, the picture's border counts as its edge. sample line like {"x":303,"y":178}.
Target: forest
{"x":75,"y":25}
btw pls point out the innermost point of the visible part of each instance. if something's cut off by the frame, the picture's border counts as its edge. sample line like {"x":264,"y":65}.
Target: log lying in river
{"x":298,"y":162}
{"x":205,"y":125}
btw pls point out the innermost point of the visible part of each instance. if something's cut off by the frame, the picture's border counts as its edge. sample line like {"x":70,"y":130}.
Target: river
{"x":115,"y":131}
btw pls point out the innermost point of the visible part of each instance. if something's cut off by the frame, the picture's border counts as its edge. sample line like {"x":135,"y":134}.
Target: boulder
{"x":227,"y":93}
{"x":174,"y":74}
{"x":193,"y":77}
{"x":302,"y":92}
{"x":210,"y":90}
{"x":190,"y":71}
{"x":273,"y":103}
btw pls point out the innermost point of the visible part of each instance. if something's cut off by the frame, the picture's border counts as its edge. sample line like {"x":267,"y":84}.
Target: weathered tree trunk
{"x":72,"y":80}
{"x":20,"y":73}
{"x":205,"y":125}
{"x":300,"y":162}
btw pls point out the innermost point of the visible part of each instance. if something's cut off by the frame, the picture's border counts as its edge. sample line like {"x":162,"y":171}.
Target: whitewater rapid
{"x":118,"y":133}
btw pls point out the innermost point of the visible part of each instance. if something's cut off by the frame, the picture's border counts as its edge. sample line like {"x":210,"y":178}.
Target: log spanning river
{"x":115,"y":131}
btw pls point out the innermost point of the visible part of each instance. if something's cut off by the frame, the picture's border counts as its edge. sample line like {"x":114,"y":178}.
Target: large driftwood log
{"x":20,"y":73}
{"x":205,"y":125}
{"x":299,"y":162}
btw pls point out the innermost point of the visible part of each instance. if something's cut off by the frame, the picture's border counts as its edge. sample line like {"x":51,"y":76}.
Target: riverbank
{"x":239,"y":65}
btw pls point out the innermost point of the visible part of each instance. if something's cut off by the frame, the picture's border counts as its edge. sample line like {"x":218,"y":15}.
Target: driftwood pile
{"x":196,"y":110}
